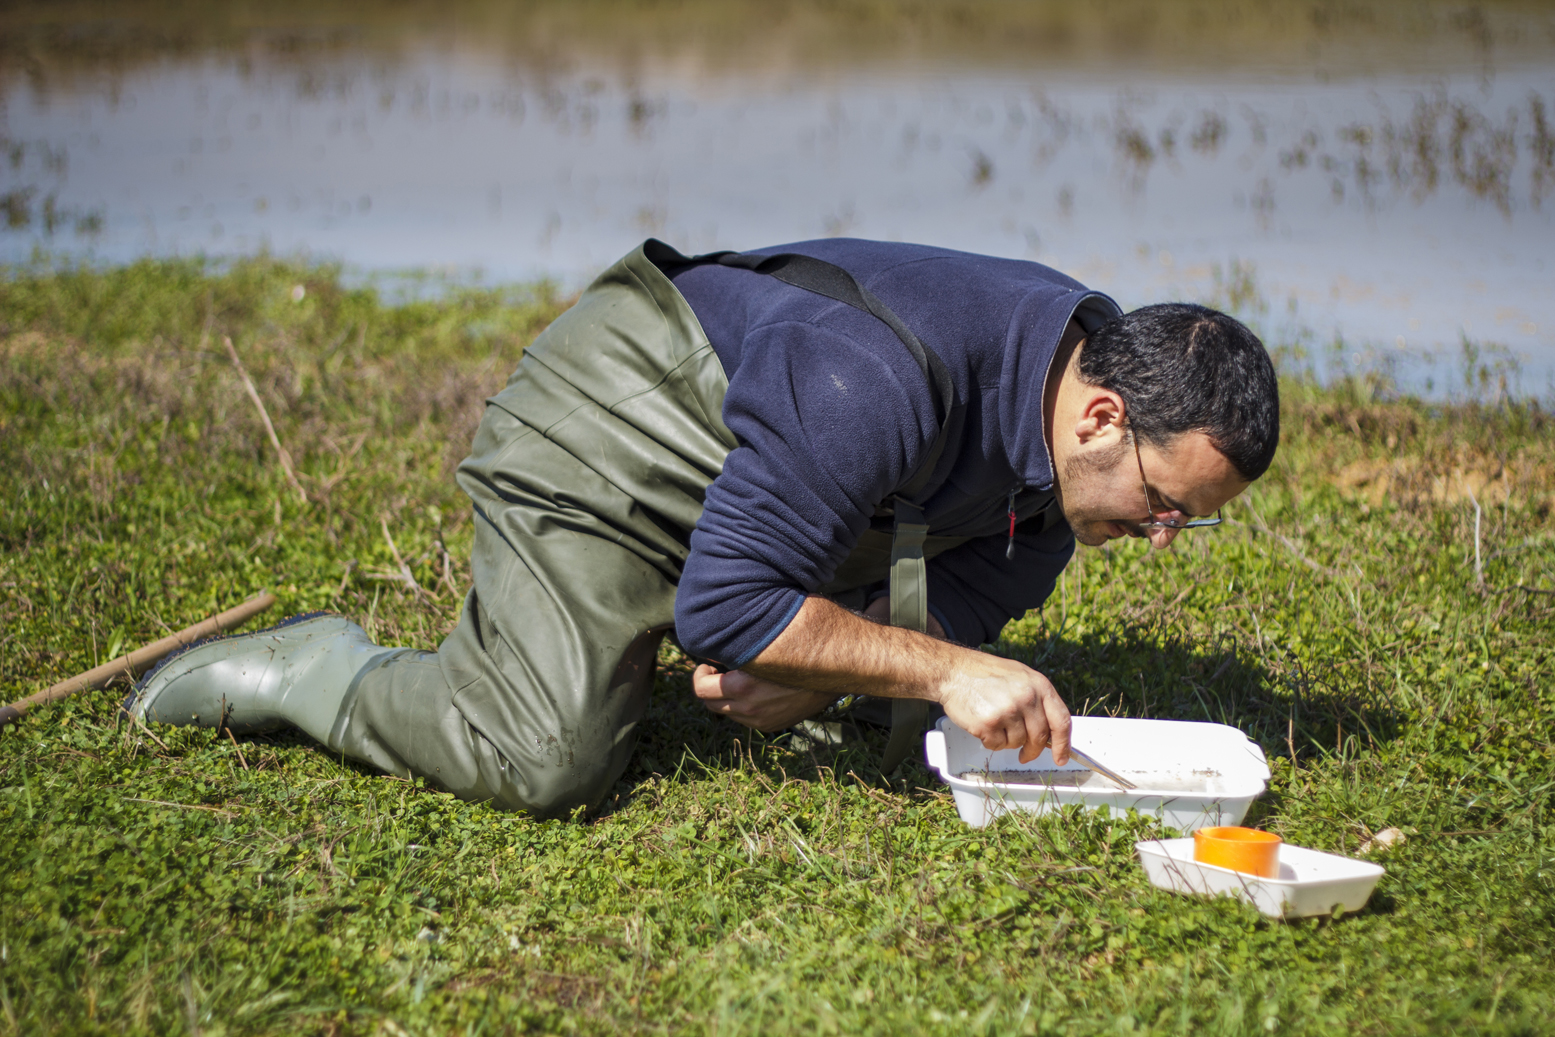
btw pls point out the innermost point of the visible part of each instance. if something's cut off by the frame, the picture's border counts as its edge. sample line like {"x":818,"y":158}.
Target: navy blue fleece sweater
{"x":832,"y":415}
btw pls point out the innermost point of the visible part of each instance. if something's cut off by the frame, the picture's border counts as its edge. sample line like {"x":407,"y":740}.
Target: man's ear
{"x":1101,"y":416}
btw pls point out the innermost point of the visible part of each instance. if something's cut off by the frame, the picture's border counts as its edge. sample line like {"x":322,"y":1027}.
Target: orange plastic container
{"x":1240,"y":849}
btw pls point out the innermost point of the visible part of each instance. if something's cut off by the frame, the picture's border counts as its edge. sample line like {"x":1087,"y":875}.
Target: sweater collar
{"x":1030,"y":344}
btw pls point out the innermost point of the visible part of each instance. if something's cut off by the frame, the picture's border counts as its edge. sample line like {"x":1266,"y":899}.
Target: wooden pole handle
{"x":136,"y":662}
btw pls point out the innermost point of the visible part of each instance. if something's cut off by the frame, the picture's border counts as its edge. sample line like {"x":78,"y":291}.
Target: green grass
{"x":184,"y":882}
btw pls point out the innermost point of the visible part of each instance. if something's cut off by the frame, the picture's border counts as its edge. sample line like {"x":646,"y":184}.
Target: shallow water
{"x":1385,"y":174}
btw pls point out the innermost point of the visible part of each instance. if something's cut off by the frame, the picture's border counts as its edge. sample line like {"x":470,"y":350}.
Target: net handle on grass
{"x":136,"y":662}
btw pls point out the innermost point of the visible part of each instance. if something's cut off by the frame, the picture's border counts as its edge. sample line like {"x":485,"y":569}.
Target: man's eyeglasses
{"x":1153,"y":522}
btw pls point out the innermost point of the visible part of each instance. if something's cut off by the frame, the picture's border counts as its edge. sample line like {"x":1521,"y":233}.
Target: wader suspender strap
{"x":909,"y":608}
{"x":909,"y":575}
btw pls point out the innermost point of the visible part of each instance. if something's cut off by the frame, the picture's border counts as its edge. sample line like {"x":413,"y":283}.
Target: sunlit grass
{"x":732,"y":885}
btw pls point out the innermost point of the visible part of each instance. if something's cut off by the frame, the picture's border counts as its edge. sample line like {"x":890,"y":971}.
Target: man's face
{"x":1103,"y":496}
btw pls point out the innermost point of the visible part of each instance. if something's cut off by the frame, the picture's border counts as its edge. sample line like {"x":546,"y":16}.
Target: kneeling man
{"x":825,"y":468}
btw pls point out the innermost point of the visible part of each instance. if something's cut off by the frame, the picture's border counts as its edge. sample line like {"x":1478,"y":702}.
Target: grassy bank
{"x":175,"y":881}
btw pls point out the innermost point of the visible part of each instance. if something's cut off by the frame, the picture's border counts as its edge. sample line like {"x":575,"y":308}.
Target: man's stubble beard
{"x":1077,"y":469}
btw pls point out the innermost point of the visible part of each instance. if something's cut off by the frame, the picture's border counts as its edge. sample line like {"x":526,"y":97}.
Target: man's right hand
{"x":1006,"y":705}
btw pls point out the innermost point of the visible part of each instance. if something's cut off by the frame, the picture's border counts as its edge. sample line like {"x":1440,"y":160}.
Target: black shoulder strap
{"x":832,"y":281}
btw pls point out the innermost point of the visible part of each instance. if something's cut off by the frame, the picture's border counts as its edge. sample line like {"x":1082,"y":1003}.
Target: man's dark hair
{"x":1180,"y":367}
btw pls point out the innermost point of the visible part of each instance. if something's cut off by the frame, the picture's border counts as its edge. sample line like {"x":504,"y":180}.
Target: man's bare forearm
{"x":826,"y":648}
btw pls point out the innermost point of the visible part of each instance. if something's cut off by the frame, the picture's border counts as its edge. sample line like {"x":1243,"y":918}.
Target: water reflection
{"x":1382,"y":172}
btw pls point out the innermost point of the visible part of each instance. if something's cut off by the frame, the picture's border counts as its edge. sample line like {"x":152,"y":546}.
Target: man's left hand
{"x":754,"y":702}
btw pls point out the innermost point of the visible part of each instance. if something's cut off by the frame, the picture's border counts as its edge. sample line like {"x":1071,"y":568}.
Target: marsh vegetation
{"x":1377,"y":614}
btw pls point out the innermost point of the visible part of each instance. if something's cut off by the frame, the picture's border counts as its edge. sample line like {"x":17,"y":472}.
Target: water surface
{"x":1382,"y":173}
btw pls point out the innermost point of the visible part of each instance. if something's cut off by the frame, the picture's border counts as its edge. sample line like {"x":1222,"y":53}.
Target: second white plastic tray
{"x":1310,"y":882}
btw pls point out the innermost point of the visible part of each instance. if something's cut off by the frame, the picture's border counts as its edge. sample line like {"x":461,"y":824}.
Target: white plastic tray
{"x":1188,"y":774}
{"x":1310,"y":882}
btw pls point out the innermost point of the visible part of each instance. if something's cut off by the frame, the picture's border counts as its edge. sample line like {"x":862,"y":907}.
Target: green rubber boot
{"x":299,"y":673}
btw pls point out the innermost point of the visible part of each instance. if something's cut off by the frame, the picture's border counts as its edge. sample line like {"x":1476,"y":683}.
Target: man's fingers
{"x":1035,"y":741}
{"x":706,"y":683}
{"x":1046,"y":722}
{"x":1034,"y":721}
{"x":725,"y":692}
{"x":1058,"y":726}
{"x":1015,"y":734}
{"x":713,"y":686}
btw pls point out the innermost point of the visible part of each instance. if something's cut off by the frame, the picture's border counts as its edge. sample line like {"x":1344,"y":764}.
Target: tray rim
{"x":1254,"y":787}
{"x":1257,"y":776}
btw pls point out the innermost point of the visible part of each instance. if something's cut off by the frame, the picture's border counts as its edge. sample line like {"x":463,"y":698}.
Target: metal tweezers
{"x":1106,"y":772}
